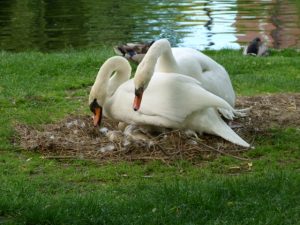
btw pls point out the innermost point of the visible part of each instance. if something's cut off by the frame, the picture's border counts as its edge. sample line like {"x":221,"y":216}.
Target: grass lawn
{"x":39,"y":88}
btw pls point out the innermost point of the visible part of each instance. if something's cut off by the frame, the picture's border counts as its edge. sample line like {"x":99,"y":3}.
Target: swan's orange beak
{"x":97,"y":110}
{"x":138,"y":98}
{"x":97,"y":116}
{"x":137,"y":103}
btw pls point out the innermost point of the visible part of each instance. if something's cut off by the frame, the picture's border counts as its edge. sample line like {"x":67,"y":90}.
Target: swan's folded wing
{"x":176,"y":96}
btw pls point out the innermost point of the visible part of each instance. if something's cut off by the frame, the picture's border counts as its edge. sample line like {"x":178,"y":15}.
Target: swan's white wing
{"x":218,"y":82}
{"x":120,"y":107}
{"x":213,"y":76}
{"x":176,"y":96}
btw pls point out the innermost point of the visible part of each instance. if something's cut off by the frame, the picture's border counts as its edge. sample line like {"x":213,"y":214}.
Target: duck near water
{"x":133,"y":51}
{"x":256,"y":47}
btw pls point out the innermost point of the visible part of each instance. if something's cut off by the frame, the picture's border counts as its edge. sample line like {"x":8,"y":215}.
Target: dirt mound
{"x":280,"y":110}
{"x":75,"y":137}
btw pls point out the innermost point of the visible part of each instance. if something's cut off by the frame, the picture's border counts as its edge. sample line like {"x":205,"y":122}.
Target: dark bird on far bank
{"x":133,"y":51}
{"x":256,"y":47}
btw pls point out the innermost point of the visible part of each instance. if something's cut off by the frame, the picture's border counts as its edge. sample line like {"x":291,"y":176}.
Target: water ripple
{"x":202,"y":24}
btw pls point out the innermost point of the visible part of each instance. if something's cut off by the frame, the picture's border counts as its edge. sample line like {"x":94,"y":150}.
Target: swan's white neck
{"x":105,"y":85}
{"x":161,"y":50}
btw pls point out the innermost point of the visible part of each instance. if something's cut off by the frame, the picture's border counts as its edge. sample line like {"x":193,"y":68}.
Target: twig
{"x":224,"y":153}
{"x":62,"y":157}
{"x":147,"y":158}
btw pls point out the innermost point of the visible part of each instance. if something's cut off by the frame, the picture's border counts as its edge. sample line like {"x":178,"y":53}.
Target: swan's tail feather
{"x":211,"y":122}
{"x":223,"y":130}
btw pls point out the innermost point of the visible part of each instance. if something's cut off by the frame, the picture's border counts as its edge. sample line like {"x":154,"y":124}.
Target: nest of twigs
{"x":76,"y":138}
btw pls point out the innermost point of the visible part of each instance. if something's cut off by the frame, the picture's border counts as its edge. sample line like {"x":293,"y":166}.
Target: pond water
{"x":202,"y":24}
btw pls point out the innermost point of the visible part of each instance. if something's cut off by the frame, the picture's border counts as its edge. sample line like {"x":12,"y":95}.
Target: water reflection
{"x":212,"y":24}
{"x":215,"y":29}
{"x":276,"y":21}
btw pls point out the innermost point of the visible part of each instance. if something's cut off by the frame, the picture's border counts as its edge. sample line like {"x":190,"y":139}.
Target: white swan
{"x":162,"y":58}
{"x":171,"y":100}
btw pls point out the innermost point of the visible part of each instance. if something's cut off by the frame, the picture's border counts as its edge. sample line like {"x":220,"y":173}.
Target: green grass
{"x":38,"y":88}
{"x":256,"y":75}
{"x":271,"y":198}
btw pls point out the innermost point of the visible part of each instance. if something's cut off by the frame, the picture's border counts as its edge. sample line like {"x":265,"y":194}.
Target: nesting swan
{"x":160,"y":57}
{"x":171,"y":100}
